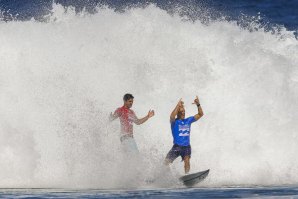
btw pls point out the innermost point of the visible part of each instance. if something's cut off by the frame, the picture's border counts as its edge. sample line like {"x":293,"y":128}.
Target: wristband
{"x":198,"y":105}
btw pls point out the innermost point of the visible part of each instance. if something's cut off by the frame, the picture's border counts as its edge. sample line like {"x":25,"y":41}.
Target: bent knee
{"x":186,"y":160}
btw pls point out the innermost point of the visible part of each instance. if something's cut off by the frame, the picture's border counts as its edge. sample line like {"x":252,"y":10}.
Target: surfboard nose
{"x":192,"y":179}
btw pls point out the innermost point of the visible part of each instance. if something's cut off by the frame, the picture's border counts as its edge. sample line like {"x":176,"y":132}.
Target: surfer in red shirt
{"x":127,"y":118}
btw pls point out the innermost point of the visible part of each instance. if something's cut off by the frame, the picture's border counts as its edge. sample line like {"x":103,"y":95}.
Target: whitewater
{"x":61,"y":78}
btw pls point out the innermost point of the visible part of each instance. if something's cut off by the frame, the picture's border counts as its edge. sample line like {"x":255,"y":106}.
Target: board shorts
{"x":128,"y":144}
{"x":177,"y":151}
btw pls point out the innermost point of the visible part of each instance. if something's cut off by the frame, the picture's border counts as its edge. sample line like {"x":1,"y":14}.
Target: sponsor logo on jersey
{"x":184,"y":128}
{"x":183,"y":134}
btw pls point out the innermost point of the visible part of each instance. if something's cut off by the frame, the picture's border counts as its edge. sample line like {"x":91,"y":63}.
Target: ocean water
{"x":256,"y":192}
{"x":65,"y":65}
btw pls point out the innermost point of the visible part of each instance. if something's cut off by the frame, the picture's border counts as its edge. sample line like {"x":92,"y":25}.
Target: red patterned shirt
{"x":127,"y":117}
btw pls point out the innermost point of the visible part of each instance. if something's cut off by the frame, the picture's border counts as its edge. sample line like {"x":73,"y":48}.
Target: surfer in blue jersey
{"x":181,"y":133}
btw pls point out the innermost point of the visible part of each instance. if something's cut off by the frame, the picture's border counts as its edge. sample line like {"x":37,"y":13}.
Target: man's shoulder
{"x":173,"y":121}
{"x":120,"y":109}
{"x":176,"y":121}
{"x":189,"y":119}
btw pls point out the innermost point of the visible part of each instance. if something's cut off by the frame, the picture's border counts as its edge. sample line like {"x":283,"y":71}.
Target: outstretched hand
{"x":111,"y":117}
{"x":151,"y":113}
{"x":196,"y":101}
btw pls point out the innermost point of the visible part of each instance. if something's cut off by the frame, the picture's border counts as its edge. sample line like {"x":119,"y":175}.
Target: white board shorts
{"x":129,"y":145}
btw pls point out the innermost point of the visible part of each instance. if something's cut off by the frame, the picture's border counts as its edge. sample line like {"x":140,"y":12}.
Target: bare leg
{"x":186,"y":164}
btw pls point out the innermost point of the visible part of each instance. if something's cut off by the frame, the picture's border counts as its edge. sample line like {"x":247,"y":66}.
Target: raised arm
{"x":144,"y":119}
{"x":175,"y":111}
{"x":200,"y":111}
{"x":113,"y":116}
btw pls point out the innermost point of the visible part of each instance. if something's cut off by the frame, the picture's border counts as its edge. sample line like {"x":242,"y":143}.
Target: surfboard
{"x":194,"y":178}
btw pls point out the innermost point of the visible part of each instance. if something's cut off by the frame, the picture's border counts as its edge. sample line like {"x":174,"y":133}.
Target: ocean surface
{"x":65,"y":65}
{"x":261,"y":192}
{"x":264,"y":192}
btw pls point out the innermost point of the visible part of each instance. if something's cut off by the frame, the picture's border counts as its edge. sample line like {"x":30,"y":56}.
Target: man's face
{"x":128,"y":103}
{"x":181,"y":113}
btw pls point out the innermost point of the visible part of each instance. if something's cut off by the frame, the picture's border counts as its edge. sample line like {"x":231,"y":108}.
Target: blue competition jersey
{"x":181,"y":130}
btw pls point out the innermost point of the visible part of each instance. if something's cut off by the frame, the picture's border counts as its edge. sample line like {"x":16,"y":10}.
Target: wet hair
{"x":127,"y":96}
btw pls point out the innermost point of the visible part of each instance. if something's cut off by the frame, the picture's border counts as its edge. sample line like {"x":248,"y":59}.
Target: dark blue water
{"x":272,"y":12}
{"x":268,"y":192}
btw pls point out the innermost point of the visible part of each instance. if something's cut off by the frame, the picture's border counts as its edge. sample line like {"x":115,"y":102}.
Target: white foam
{"x":60,"y":80}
